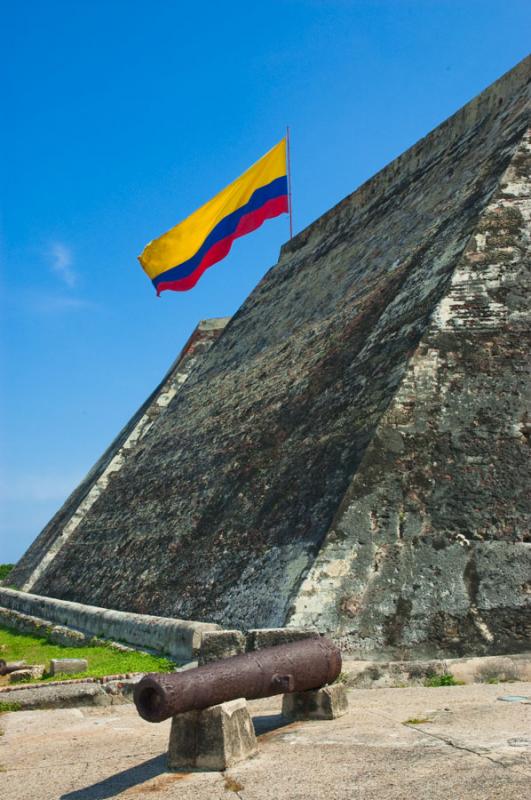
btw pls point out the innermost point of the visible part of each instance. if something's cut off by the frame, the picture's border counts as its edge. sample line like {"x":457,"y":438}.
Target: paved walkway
{"x":475,"y":747}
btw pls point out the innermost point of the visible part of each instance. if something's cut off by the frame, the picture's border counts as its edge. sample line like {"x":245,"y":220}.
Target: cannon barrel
{"x":5,"y":668}
{"x":295,"y":667}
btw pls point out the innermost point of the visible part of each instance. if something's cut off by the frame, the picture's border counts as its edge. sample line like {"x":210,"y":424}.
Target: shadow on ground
{"x":115,"y":784}
{"x":269,"y":722}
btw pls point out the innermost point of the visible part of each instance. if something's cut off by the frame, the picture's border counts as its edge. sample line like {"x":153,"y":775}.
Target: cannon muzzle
{"x":295,"y":667}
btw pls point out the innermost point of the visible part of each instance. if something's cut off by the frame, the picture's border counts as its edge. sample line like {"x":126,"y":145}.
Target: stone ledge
{"x":258,"y":638}
{"x":221,"y":644}
{"x":27,"y":623}
{"x":482,"y":669}
{"x":58,"y":696}
{"x":180,"y":638}
{"x":111,"y":690}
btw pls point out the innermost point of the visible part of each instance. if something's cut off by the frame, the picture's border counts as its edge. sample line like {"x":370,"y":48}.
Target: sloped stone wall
{"x":432,"y":547}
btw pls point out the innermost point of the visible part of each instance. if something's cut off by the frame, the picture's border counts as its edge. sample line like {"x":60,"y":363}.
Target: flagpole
{"x":289,"y":184}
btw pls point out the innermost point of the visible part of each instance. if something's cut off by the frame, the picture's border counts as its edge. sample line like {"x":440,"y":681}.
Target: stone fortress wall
{"x":352,"y":452}
{"x":432,"y":541}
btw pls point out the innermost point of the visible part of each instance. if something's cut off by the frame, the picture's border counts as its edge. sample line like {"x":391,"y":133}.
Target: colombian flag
{"x":178,"y":258}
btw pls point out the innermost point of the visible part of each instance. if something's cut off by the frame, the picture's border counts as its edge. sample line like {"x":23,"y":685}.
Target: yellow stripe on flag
{"x":183,"y":241}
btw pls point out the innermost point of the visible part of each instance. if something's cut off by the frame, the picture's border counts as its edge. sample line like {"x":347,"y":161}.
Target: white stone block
{"x":213,"y":739}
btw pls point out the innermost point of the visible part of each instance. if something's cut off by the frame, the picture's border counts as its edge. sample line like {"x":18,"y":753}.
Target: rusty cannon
{"x":294,"y":667}
{"x":14,"y":666}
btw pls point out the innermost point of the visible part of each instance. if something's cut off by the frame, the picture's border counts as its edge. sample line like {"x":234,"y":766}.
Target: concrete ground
{"x":475,"y":746}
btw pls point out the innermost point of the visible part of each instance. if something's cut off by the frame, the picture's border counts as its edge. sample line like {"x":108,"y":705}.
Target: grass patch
{"x":5,"y":569}
{"x":443,"y":680}
{"x":416,"y":721}
{"x":499,"y":679}
{"x":5,"y":707}
{"x":341,"y":678}
{"x":102,"y":659}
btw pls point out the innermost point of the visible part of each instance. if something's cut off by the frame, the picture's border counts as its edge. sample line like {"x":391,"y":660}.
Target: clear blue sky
{"x":120,"y":118}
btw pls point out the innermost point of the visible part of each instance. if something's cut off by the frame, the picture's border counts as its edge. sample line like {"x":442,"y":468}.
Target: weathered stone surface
{"x":38,"y":670}
{"x":68,"y":666}
{"x":221,"y":644}
{"x":258,"y":638}
{"x":351,"y":454}
{"x":121,"y":691}
{"x":61,"y":696}
{"x":215,"y":738}
{"x":432,"y":541}
{"x":27,"y":673}
{"x":20,"y":675}
{"x":391,"y":674}
{"x":470,"y":747}
{"x":329,"y":702}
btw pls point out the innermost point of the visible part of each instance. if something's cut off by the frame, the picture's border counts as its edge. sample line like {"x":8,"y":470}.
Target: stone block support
{"x":213,"y":739}
{"x":330,"y":702}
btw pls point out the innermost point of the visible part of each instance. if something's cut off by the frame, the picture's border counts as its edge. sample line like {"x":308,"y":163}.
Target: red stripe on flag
{"x":252,"y":221}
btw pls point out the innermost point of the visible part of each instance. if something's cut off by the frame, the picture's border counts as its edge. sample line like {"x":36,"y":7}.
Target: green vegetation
{"x":5,"y":707}
{"x":501,"y":679}
{"x":443,"y":680}
{"x":416,"y":721}
{"x":342,"y":678}
{"x":5,"y":569}
{"x":102,"y":659}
